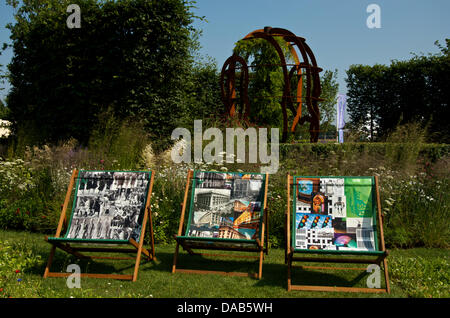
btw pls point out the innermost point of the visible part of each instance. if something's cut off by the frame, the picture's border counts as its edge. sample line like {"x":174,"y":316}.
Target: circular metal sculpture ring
{"x":308,"y":88}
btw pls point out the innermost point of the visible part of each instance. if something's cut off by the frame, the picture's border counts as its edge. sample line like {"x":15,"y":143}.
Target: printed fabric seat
{"x":227,"y":211}
{"x":109,"y":208}
{"x":333,"y":218}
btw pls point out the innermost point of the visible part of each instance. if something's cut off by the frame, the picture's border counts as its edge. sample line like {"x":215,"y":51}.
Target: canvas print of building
{"x":109,"y":205}
{"x":334,"y":214}
{"x":227,"y":205}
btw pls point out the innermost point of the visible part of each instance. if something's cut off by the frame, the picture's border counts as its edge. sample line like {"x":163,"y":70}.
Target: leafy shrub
{"x":117,"y":144}
{"x":415,"y":202}
{"x":26,"y":197}
{"x":417,"y":211}
{"x":168,"y":193}
{"x":15,"y":261}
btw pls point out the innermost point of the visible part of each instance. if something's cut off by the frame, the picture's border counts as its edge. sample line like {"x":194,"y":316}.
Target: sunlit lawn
{"x":156,"y":280}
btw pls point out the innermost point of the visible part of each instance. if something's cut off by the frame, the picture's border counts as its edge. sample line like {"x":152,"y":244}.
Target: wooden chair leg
{"x":175,"y":255}
{"x":152,"y":237}
{"x":50,"y":260}
{"x":386,"y":276}
{"x":261,"y":258}
{"x":289,"y":264}
{"x":136,"y":266}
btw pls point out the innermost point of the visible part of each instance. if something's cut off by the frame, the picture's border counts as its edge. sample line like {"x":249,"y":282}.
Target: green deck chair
{"x":227,"y":212}
{"x":335,"y":220}
{"x":110,"y":209}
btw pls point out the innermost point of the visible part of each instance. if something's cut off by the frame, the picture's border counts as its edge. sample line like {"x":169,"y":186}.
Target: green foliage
{"x":330,"y":88}
{"x":404,"y":144}
{"x":15,"y":260}
{"x":3,"y":110}
{"x":16,"y":257}
{"x":421,"y":277}
{"x":26,"y":197}
{"x":117,"y":144}
{"x":416,"y":272}
{"x":202,"y":95}
{"x":380,"y":97}
{"x":374,"y":151}
{"x":415,"y":202}
{"x":327,"y":107}
{"x":168,"y":193}
{"x":416,"y":211}
{"x":266,"y":82}
{"x":130,"y":55}
{"x":276,"y":204}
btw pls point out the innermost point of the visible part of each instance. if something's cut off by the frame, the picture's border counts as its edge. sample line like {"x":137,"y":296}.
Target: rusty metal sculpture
{"x":305,"y":70}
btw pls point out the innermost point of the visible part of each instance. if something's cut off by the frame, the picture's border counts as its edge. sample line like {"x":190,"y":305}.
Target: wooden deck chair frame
{"x":261,"y":246}
{"x":67,"y":244}
{"x":381,"y":255}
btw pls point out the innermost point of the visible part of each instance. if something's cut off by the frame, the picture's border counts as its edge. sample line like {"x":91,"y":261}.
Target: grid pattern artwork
{"x":334,"y":213}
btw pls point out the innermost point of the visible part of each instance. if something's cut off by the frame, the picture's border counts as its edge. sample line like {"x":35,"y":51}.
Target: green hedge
{"x":430,"y":151}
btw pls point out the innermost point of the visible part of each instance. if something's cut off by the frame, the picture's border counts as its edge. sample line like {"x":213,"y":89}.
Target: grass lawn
{"x":415,"y":272}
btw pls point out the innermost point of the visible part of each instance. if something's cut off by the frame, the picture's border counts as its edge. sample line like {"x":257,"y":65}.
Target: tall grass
{"x":118,"y":144}
{"x":404,"y":145}
{"x":417,"y":212}
{"x":414,"y":190}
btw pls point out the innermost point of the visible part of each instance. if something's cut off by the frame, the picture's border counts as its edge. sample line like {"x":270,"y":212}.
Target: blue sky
{"x":335,"y":30}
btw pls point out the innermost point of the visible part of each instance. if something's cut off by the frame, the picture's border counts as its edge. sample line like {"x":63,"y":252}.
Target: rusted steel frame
{"x":229,"y":96}
{"x":306,"y":54}
{"x":287,"y":86}
{"x":316,"y":92}
{"x":297,"y":65}
{"x":298,"y":96}
{"x":302,"y":65}
{"x":312,"y":77}
{"x":300,"y":43}
{"x":306,"y":51}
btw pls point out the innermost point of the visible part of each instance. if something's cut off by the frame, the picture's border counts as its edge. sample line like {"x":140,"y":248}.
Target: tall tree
{"x":129,"y":55}
{"x":363,"y":83}
{"x":327,"y":107}
{"x":416,"y":90}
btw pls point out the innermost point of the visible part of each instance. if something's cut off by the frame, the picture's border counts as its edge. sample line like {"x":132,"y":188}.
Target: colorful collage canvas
{"x":334,"y":213}
{"x":226,"y":205}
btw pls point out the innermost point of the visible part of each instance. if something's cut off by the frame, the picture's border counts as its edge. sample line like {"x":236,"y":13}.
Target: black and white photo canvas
{"x":109,"y":205}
